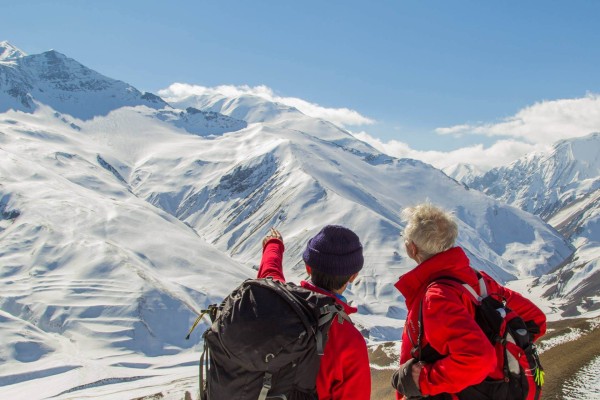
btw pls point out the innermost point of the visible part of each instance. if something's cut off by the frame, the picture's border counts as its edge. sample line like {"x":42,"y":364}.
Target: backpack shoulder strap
{"x":482,"y":286}
{"x":482,"y":290}
{"x":328,"y":313}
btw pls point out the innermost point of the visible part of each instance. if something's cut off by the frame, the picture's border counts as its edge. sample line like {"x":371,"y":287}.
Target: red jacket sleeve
{"x":271,"y":264}
{"x":521,"y":305}
{"x":450,"y":329}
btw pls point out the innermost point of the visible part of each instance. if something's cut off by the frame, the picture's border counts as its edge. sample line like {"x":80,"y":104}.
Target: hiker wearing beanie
{"x":445,"y":353}
{"x":333,"y":258}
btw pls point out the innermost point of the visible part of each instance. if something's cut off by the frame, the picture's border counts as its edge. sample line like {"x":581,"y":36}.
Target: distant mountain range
{"x":54,"y":80}
{"x":121,"y":215}
{"x":562,"y":187}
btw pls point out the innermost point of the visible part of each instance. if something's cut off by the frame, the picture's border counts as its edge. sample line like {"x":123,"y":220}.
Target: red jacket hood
{"x":452,"y":262}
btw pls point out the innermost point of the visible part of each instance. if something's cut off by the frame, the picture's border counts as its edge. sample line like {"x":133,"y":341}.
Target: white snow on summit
{"x":55,"y":80}
{"x":8,"y":52}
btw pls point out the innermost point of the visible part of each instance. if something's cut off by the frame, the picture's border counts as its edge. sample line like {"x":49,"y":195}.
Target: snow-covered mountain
{"x":54,"y":80}
{"x":543,"y":183}
{"x":8,"y":52}
{"x":116,"y":223}
{"x":62,"y":83}
{"x":462,"y":172}
{"x":563,"y":187}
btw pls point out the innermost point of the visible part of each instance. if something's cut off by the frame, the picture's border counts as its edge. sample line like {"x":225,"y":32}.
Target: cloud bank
{"x":340,"y":116}
{"x":534,"y":128}
{"x":543,"y":123}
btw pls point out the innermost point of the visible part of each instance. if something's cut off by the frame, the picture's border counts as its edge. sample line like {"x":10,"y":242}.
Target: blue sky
{"x":431,"y":76}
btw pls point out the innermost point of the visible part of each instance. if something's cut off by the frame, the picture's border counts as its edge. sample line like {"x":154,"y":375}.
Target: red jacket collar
{"x":452,"y":262}
{"x":347,"y":308}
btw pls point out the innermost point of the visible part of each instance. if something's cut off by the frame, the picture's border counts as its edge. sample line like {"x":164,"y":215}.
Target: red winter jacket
{"x":449,"y":323}
{"x":345,"y":372}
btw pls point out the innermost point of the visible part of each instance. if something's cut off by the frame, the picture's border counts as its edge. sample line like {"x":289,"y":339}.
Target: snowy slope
{"x":357,"y":172}
{"x":94,"y":268}
{"x":54,"y":80}
{"x":563,"y":187}
{"x":91,"y":275}
{"x":116,"y":224}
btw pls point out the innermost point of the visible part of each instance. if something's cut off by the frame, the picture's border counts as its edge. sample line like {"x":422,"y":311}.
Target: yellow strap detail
{"x":539,"y":376}
{"x":196,"y":323}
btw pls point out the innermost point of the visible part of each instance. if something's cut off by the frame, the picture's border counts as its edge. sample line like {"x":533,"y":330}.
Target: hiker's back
{"x":265,"y":342}
{"x":344,"y":372}
{"x":518,"y":374}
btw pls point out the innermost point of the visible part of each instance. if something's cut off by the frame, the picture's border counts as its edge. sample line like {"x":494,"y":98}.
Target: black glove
{"x":403,"y":382}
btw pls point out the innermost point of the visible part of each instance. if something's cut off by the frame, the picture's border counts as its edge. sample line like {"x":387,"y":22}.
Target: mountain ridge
{"x":115,"y":229}
{"x":563,"y":187}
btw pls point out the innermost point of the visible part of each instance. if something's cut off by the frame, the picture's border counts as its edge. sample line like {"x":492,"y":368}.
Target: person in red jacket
{"x":333,"y":258}
{"x":447,"y":311}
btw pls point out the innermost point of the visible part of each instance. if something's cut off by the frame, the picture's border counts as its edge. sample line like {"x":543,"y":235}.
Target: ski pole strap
{"x":202,"y":314}
{"x":266,"y":386}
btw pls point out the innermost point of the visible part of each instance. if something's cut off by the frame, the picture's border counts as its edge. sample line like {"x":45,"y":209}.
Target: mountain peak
{"x":8,"y":52}
{"x":64,"y":84}
{"x":583,"y":142}
{"x":543,"y":183}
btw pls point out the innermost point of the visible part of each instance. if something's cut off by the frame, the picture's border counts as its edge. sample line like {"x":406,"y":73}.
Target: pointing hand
{"x":273,"y":234}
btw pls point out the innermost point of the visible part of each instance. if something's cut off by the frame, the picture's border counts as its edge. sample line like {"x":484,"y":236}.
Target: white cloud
{"x":542,"y":123}
{"x":500,"y":153}
{"x":339,"y":116}
{"x":534,"y":128}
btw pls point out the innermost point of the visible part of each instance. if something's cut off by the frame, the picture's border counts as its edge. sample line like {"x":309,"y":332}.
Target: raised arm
{"x":271,"y":264}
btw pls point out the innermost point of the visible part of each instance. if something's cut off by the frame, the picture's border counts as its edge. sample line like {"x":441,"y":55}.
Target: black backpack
{"x":265,"y":342}
{"x":521,"y":376}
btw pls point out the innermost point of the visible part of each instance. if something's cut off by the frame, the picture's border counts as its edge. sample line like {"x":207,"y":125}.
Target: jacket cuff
{"x":274,"y":241}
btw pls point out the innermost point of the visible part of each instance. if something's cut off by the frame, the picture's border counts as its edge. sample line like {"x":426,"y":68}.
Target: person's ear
{"x":308,"y":270}
{"x":411,"y":249}
{"x":353,"y":277}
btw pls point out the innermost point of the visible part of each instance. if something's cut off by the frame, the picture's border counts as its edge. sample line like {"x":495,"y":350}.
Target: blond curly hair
{"x":430,"y":228}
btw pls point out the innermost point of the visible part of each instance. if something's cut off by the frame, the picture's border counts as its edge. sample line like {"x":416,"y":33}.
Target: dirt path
{"x":561,"y":363}
{"x":382,"y":388}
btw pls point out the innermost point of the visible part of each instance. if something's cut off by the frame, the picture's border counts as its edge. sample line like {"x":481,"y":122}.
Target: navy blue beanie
{"x":335,"y":250}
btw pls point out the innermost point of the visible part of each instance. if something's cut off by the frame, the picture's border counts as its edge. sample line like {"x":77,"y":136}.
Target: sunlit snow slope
{"x":118,"y":222}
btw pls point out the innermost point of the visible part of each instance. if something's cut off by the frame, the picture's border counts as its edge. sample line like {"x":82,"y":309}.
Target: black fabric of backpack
{"x":512,"y":338}
{"x":265,"y":342}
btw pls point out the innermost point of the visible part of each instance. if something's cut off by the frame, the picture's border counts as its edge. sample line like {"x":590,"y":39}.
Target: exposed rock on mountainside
{"x":543,"y":184}
{"x":563,"y":187}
